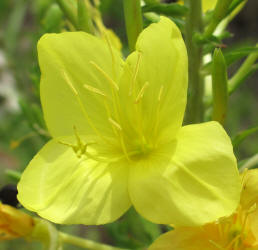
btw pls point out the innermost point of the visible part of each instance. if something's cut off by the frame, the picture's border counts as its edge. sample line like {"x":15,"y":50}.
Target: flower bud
{"x":14,"y":223}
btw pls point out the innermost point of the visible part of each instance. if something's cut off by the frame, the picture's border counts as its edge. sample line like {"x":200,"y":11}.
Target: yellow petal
{"x":197,"y":184}
{"x":154,"y":85}
{"x":206,"y":4}
{"x":249,"y":194}
{"x":114,"y":39}
{"x":78,"y":73}
{"x":187,"y":238}
{"x":249,"y":199}
{"x":66,"y":189}
{"x":14,"y":223}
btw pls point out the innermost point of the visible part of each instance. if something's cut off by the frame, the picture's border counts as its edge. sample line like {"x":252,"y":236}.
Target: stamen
{"x":251,"y":210}
{"x":141,"y":93}
{"x":232,"y":242}
{"x":135,"y":73}
{"x":157,"y":120}
{"x":160,"y":92}
{"x":216,"y":245}
{"x":94,"y":90}
{"x":110,"y":80}
{"x":70,"y":84}
{"x":115,"y":124}
{"x":111,"y":52}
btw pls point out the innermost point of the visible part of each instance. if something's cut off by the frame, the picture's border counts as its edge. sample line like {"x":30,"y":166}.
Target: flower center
{"x":234,"y":232}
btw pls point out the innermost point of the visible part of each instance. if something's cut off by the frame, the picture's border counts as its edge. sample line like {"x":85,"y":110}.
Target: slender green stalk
{"x":69,"y":10}
{"x":220,"y":12}
{"x":84,"y":18}
{"x":84,"y":243}
{"x":243,"y":72}
{"x":194,"y":24}
{"x":133,"y":21}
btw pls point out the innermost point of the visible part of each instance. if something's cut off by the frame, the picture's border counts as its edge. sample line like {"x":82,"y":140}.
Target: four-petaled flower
{"x":118,"y":138}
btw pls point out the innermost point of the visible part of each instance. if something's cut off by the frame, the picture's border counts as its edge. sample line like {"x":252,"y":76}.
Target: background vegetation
{"x":22,"y":129}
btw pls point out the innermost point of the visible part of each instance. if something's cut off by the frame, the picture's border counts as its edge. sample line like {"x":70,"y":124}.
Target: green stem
{"x":220,"y":12}
{"x":84,"y":18}
{"x":69,"y":9}
{"x":133,"y":21}
{"x":84,"y":243}
{"x":195,"y":99}
{"x":242,"y":72}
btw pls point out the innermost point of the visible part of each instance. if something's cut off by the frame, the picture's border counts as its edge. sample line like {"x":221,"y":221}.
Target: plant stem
{"x":195,"y":99}
{"x":133,"y":21}
{"x":69,"y":10}
{"x":84,"y":18}
{"x":84,"y":243}
{"x":219,"y":14}
{"x":242,"y":72}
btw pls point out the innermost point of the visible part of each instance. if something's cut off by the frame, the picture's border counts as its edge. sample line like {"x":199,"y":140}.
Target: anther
{"x":110,"y":80}
{"x":115,"y":123}
{"x":94,"y":90}
{"x":141,"y":93}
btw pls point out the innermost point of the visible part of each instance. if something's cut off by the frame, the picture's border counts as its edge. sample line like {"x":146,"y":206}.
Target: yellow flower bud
{"x":14,"y":223}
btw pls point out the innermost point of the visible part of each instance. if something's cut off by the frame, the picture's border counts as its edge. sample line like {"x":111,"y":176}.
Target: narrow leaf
{"x":241,"y":136}
{"x":172,"y":9}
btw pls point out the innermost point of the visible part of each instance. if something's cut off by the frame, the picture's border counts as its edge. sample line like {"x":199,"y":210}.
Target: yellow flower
{"x":236,"y":232}
{"x":118,"y":138}
{"x":206,"y":4}
{"x":14,"y":223}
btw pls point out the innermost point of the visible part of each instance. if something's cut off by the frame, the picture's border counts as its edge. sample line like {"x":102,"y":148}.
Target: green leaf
{"x":13,"y":175}
{"x":34,"y":117}
{"x":232,"y":56}
{"x":241,"y":136}
{"x":233,"y":86}
{"x":234,"y":5}
{"x":249,"y":163}
{"x":133,"y":231}
{"x":170,"y":9}
{"x":133,"y":21}
{"x":13,"y":27}
{"x":238,"y":54}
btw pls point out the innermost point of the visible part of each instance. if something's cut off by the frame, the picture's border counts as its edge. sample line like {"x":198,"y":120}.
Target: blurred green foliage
{"x":22,"y":129}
